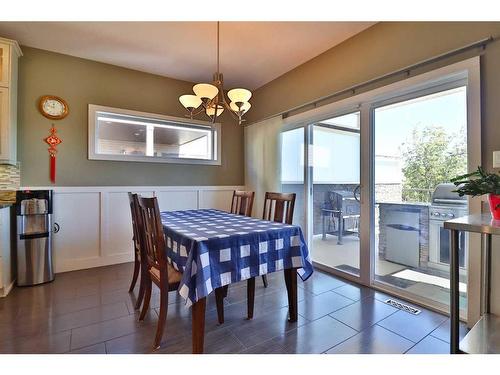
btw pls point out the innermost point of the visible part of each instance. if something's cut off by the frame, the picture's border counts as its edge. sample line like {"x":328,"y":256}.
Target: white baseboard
{"x":84,"y":263}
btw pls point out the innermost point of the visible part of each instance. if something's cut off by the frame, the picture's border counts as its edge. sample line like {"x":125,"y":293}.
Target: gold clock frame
{"x":57,"y":98}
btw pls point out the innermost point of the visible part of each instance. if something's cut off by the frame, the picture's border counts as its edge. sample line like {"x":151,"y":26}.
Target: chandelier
{"x":210,"y":98}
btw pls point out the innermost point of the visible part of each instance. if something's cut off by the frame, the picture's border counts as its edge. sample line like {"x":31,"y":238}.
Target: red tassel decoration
{"x":52,"y":169}
{"x":53,"y":140}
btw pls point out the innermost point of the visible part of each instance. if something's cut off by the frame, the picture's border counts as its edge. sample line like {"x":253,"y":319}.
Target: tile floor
{"x":91,"y":311}
{"x":329,"y":253}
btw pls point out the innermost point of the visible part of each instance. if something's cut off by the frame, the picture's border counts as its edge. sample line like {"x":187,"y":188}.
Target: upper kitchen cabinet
{"x":9,"y":56}
{"x":4,"y":64}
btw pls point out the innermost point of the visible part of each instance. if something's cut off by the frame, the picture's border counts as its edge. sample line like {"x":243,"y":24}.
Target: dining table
{"x":214,"y":248}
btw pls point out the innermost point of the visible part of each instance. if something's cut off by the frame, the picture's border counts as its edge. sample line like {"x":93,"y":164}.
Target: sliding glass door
{"x":320,"y":163}
{"x":373,"y":183}
{"x":335,"y":197}
{"x":420,"y":143}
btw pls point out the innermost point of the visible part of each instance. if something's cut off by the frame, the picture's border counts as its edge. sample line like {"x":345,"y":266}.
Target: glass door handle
{"x":357,"y":193}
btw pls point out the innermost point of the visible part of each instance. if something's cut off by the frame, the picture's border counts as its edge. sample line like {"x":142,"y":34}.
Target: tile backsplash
{"x":10,"y":178}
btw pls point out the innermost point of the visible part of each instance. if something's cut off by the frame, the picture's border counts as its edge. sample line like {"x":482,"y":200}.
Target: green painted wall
{"x":81,"y":82}
{"x":381,"y":49}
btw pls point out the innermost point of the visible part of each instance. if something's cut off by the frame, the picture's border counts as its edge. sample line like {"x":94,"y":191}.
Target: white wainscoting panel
{"x":219,"y":199}
{"x":95,"y":222}
{"x":117,"y":242}
{"x":118,"y":238}
{"x":77,"y":244}
{"x":177,"y":200}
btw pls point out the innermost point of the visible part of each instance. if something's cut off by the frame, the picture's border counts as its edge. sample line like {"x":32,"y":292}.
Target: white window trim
{"x":92,"y":140}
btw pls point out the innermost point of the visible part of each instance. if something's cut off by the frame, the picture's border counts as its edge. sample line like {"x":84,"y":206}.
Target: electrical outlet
{"x":496,"y":159}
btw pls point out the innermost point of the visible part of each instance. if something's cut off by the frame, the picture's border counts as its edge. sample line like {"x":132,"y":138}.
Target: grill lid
{"x":342,"y":194}
{"x":444,"y":194}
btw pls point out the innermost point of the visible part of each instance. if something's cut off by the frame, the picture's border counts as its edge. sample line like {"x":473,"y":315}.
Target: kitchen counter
{"x":6,"y":272}
{"x":7,"y":198}
{"x":484,"y":337}
{"x":419,"y":204}
{"x":479,"y":223}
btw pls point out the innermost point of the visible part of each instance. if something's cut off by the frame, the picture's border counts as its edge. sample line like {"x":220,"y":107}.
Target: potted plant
{"x":478,"y":183}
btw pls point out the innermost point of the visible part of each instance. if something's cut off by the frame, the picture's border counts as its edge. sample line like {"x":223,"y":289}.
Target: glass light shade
{"x":239,"y":95}
{"x":190,"y":101}
{"x":244,"y":108}
{"x":211,"y":110}
{"x":205,"y":90}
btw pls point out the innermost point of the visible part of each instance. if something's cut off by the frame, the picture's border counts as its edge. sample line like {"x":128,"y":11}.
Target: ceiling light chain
{"x":218,"y":47}
{"x":210,"y":98}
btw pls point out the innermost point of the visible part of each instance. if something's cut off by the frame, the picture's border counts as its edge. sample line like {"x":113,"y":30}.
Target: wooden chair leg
{"x":162,"y":318}
{"x":198,"y":326}
{"x":220,"y":294}
{"x":140,"y":296}
{"x":147,"y":297}
{"x":250,"y":296}
{"x":291,"y":288}
{"x":264,"y":280}
{"x":137,"y":267}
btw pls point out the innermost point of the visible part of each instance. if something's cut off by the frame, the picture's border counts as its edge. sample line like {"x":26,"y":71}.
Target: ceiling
{"x":251,"y":53}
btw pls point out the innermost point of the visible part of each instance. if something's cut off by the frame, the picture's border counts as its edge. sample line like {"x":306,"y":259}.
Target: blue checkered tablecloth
{"x":214,"y":248}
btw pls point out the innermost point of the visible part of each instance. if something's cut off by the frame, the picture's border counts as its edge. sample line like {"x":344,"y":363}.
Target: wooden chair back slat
{"x":279,"y":207}
{"x":242,"y":202}
{"x":132,"y":198}
{"x":153,"y":238}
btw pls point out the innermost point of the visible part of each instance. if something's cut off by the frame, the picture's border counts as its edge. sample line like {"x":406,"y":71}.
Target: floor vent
{"x":402,"y":306}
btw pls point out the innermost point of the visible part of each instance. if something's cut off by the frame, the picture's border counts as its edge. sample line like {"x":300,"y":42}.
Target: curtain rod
{"x":480,"y":43}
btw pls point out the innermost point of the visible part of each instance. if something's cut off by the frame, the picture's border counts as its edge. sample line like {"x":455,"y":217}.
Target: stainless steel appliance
{"x":446,"y":205}
{"x":34,"y":237}
{"x":344,"y":208}
{"x":403,"y":237}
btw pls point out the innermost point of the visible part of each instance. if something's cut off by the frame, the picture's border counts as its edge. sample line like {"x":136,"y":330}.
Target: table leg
{"x":454,"y":293}
{"x":250,"y":297}
{"x":323,"y":237}
{"x":341,"y":229}
{"x":291,"y":288}
{"x":485,"y":273}
{"x":198,"y":325}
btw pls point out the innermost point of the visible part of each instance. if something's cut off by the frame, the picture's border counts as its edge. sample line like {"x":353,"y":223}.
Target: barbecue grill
{"x":446,"y":204}
{"x":342,"y":209}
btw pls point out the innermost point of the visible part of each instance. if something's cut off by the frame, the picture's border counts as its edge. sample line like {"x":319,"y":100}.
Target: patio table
{"x":214,"y":248}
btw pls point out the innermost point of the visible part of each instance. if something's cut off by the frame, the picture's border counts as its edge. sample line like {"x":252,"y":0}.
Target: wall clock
{"x":53,"y":107}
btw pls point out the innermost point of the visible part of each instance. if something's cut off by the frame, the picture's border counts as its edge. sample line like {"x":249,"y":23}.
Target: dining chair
{"x":158,"y":269}
{"x":137,"y":252}
{"x":241,"y":204}
{"x":278,"y":207}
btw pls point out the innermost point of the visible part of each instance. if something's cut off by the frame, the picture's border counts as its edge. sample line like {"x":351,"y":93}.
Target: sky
{"x":394,"y":124}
